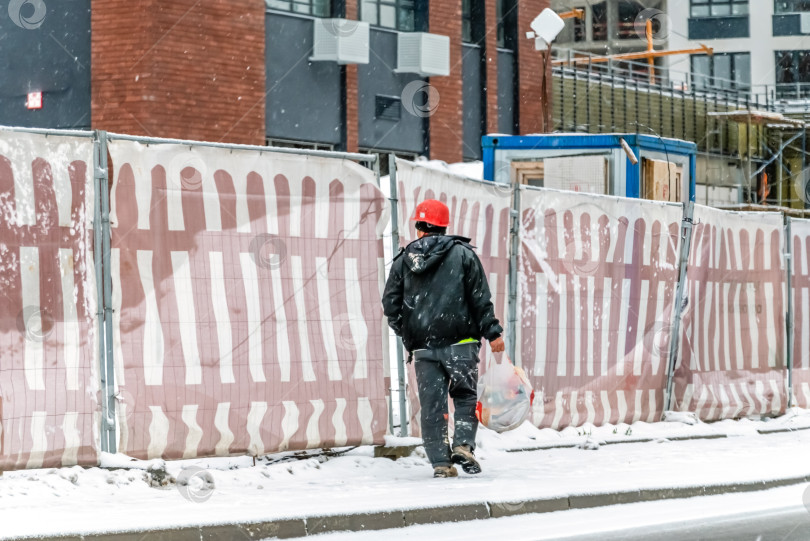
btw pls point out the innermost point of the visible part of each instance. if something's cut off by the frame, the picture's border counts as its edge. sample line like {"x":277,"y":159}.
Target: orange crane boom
{"x":573,"y":14}
{"x":650,"y":54}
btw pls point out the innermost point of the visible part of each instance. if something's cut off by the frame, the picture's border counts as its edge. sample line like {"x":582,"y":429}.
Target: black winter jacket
{"x":437,"y":294}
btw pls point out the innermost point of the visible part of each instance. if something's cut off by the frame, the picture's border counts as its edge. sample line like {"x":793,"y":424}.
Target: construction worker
{"x":438,"y":300}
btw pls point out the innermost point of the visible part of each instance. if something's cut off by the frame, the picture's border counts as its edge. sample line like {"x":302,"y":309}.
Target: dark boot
{"x":463,"y":456}
{"x":445,"y":471}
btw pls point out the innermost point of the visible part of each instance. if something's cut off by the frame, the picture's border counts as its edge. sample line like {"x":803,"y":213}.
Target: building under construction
{"x":751,"y":138}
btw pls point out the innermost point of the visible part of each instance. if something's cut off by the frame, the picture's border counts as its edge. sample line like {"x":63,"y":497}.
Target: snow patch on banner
{"x":48,"y":372}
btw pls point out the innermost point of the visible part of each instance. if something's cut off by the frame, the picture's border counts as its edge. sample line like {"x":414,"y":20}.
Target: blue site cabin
{"x":624,"y":176}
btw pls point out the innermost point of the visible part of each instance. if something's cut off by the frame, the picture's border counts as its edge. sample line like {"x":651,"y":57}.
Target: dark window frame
{"x":799,"y":57}
{"x":410,"y":15}
{"x":315,"y":8}
{"x":695,"y":8}
{"x":506,"y":24}
{"x":780,"y":7}
{"x":734,"y":58}
{"x":473,"y":28}
{"x":799,"y":73}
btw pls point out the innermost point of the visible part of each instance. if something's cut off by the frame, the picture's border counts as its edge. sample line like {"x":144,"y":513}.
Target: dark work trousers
{"x":453,"y":369}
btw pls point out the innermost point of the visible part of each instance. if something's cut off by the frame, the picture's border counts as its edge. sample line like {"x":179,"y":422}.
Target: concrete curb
{"x":306,"y":526}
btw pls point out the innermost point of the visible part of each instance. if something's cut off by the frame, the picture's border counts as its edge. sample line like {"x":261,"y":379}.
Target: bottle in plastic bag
{"x":505,"y":397}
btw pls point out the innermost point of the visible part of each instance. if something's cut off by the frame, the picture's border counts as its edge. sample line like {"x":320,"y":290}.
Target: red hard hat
{"x":433,"y":212}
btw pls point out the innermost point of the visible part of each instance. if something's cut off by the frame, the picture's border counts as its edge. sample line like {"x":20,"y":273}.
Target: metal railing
{"x":597,"y":96}
{"x":780,"y":97}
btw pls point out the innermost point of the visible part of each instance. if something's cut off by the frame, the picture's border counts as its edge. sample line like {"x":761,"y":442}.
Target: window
{"x":792,"y":67}
{"x":628,"y":15}
{"x":472,"y":21}
{"x":505,"y":13}
{"x":599,"y":21}
{"x":396,"y":14}
{"x":466,"y":21}
{"x":579,"y":29}
{"x":723,"y":70}
{"x":718,"y":8}
{"x":791,"y":6}
{"x":319,"y":8}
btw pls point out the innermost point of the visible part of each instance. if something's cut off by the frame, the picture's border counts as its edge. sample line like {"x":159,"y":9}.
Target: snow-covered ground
{"x":474,"y":170}
{"x":227,"y":490}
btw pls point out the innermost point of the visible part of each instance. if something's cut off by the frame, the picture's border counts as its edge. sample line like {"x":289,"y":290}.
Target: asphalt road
{"x":771,"y":515}
{"x":791,"y":524}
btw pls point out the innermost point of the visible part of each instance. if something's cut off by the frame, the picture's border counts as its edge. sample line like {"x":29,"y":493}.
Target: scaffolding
{"x":769,"y":125}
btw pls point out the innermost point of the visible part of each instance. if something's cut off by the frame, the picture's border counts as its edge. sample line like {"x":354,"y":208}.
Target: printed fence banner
{"x":246,"y":289}
{"x":49,"y":410}
{"x":731,"y":361}
{"x":800,"y":284}
{"x":597,"y":278}
{"x":480,"y":211}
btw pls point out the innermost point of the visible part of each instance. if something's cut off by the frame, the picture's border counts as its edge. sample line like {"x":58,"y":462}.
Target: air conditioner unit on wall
{"x":423,"y":53}
{"x":340,"y":40}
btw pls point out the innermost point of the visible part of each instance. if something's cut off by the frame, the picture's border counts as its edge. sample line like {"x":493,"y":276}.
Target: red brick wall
{"x":446,"y":128}
{"x":530,"y":71}
{"x":491,"y":52}
{"x":180,"y":69}
{"x":352,"y":112}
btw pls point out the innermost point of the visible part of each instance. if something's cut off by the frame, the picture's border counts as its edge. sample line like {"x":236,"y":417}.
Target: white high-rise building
{"x":759,"y":45}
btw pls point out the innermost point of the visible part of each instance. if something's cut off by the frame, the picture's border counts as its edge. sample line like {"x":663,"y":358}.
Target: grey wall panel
{"x":472,"y":89}
{"x":377,"y":78}
{"x":506,"y":92}
{"x":303,"y":97}
{"x":52,"y":55}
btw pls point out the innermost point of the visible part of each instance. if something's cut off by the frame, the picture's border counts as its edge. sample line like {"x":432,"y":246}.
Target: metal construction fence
{"x":246,"y":301}
{"x":49,"y":309}
{"x":597,"y":280}
{"x":211,"y":300}
{"x":625,"y":308}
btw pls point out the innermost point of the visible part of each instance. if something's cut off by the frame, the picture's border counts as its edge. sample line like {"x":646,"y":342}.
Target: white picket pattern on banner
{"x":250,"y":316}
{"x":597,"y":277}
{"x":48,"y":370}
{"x":800,"y":289}
{"x":732,"y":347}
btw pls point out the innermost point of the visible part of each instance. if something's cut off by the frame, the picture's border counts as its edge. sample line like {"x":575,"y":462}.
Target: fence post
{"x":686,"y":241}
{"x":403,"y":404}
{"x":514,"y":244}
{"x":789,"y":311}
{"x":101,"y":232}
{"x":376,"y":169}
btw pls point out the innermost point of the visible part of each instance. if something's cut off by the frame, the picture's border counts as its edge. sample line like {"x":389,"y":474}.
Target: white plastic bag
{"x":505,"y":397}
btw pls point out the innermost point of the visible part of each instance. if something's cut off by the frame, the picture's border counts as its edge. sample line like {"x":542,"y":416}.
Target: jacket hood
{"x":425,"y":253}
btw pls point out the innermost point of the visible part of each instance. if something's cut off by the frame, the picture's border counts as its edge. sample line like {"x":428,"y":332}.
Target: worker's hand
{"x":497,"y":345}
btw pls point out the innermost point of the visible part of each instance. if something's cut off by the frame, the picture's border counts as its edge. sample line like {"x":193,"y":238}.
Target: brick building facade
{"x":242,"y":71}
{"x":182,"y":69}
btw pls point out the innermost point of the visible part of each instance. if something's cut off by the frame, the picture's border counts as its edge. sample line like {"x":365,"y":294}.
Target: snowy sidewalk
{"x":326,"y":494}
